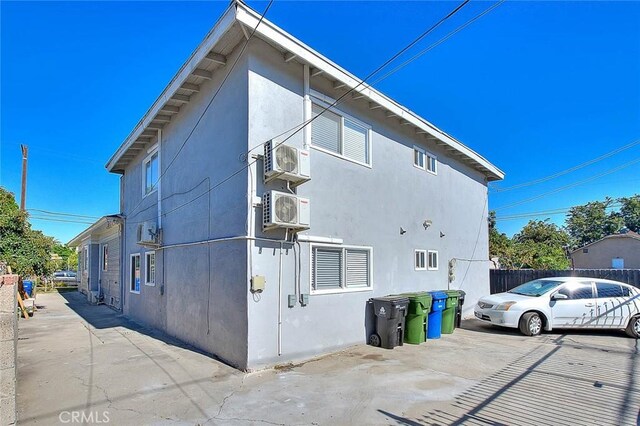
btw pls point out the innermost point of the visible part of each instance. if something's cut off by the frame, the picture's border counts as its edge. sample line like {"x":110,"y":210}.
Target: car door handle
{"x":589,"y":305}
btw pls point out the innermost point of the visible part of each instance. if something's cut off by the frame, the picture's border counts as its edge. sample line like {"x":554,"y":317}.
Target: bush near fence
{"x":502,"y":280}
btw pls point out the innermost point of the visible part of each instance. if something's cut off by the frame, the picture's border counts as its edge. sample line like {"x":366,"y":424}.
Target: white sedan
{"x":567,"y":302}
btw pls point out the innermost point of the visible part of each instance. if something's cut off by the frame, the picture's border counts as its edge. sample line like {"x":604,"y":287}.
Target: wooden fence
{"x":505,"y":279}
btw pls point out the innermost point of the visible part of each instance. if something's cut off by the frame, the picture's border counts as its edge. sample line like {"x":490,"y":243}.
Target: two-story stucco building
{"x":261,"y":255}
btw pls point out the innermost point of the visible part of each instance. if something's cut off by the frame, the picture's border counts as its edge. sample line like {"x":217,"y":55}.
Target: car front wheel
{"x":633,"y":329}
{"x":531,"y":324}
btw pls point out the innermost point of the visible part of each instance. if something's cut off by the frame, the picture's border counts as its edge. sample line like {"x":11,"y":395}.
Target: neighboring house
{"x":209,"y":259}
{"x":618,"y":251}
{"x":99,"y":272}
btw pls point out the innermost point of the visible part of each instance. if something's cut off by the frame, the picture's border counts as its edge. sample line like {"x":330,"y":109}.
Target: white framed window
{"x":134,"y":274}
{"x":338,"y":134}
{"x":150,"y":268}
{"x":150,"y":173}
{"x":105,"y":257}
{"x":85,"y":258}
{"x":425,"y":160}
{"x":336,"y":269}
{"x":419,"y":155}
{"x":420,"y":260}
{"x":433,"y":260}
{"x":432,"y":164}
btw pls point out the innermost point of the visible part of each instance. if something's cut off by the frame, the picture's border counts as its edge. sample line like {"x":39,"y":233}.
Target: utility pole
{"x":25,"y":154}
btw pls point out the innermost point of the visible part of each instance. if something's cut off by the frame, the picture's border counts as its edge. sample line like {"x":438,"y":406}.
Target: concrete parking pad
{"x":77,"y":358}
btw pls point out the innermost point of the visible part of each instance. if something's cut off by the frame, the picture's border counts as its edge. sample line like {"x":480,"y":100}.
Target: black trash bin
{"x":390,"y":314}
{"x":459,"y":308}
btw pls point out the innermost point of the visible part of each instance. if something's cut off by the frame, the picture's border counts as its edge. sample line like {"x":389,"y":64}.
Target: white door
{"x":578,"y":310}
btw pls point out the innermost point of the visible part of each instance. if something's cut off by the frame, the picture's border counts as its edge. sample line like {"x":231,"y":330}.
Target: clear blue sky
{"x":535,"y":87}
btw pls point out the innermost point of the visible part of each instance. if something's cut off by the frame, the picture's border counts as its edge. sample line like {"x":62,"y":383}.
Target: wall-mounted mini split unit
{"x":282,"y":210}
{"x":286,"y":162}
{"x":147,"y":234}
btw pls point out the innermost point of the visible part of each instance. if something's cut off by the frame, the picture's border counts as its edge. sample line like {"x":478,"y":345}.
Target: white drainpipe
{"x":159,"y":188}
{"x":307,"y":109}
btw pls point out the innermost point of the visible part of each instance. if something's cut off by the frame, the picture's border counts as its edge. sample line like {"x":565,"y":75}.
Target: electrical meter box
{"x":257,"y":283}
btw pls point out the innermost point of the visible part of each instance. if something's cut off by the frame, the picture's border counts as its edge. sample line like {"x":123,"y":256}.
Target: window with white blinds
{"x":357,"y":268}
{"x":340,"y":268}
{"x":326,"y":130}
{"x":340,"y":135}
{"x":327,"y":268}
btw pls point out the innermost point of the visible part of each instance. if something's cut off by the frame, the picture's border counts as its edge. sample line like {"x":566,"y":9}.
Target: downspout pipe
{"x":159,"y":183}
{"x":280,"y":301}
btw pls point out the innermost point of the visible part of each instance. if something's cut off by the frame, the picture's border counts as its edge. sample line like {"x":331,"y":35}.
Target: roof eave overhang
{"x":303,"y":53}
{"x":103,"y":221}
{"x":248,"y":19}
{"x":221,"y":27}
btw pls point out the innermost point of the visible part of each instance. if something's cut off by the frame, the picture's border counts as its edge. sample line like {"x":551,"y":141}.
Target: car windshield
{"x":535,"y":288}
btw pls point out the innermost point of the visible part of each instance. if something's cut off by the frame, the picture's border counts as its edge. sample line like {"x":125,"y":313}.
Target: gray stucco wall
{"x":600,"y":254}
{"x":363,"y":206}
{"x":200,"y":290}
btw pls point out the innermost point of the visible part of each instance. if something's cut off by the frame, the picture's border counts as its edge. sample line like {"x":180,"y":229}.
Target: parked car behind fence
{"x":68,"y":277}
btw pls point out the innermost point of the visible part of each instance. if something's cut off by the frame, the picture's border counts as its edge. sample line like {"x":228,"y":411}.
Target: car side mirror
{"x":559,"y":296}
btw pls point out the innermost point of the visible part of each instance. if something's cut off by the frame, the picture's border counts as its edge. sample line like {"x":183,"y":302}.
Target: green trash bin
{"x":416,"y":321}
{"x":449,"y":313}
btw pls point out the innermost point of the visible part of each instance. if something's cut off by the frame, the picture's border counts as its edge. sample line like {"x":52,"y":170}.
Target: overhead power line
{"x":552,"y":212}
{"x":440,"y":41}
{"x":562,"y":188}
{"x":59,"y":220}
{"x":63,"y":214}
{"x":296,"y":129}
{"x":302,"y":125}
{"x":569,"y":170}
{"x":195,"y":126}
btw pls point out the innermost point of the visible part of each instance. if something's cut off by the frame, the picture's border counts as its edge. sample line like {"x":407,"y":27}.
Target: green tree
{"x":541,"y":245}
{"x":630,"y":212}
{"x":590,"y":222}
{"x":27,"y":251}
{"x":499,"y":243}
{"x":68,"y":256}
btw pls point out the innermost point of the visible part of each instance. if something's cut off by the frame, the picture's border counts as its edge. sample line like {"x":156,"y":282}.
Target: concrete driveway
{"x":80,"y":362}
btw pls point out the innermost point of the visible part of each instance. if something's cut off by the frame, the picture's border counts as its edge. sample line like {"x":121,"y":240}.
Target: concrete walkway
{"x":87,"y":361}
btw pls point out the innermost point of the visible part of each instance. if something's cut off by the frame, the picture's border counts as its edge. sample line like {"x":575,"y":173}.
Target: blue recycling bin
{"x":434,"y":325}
{"x":28,"y":287}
